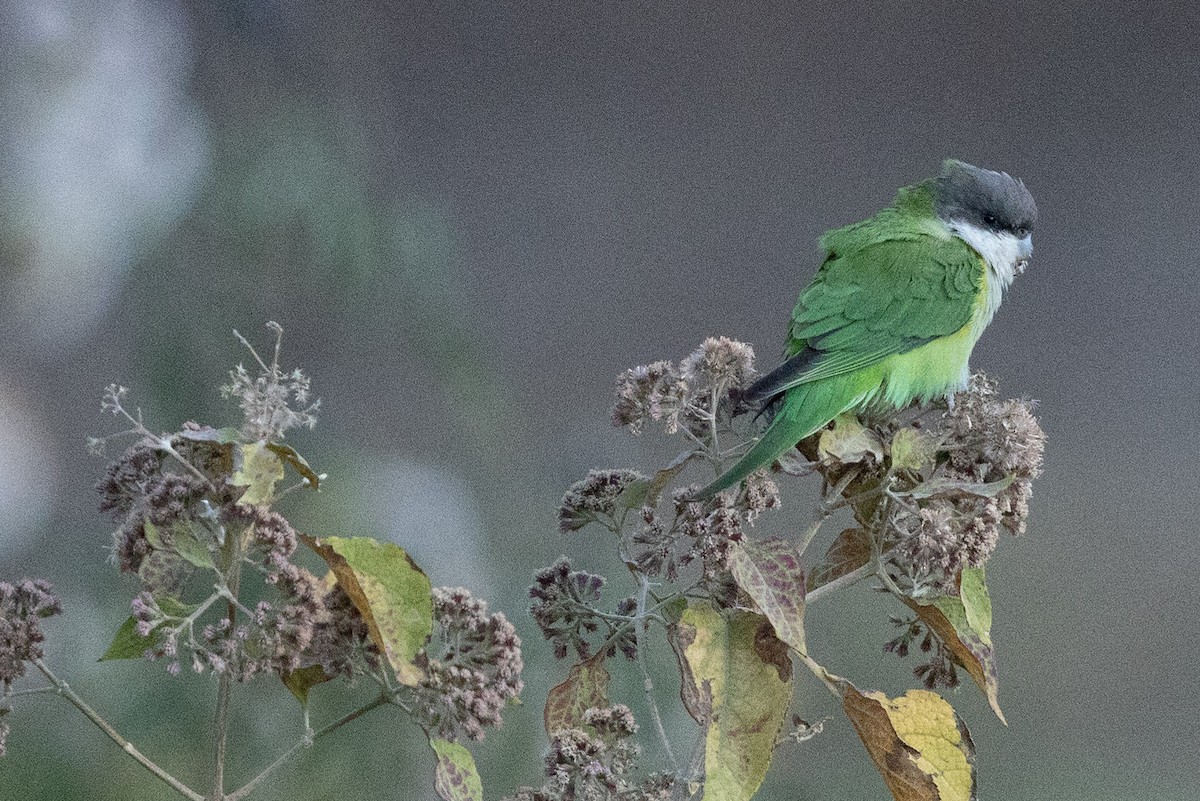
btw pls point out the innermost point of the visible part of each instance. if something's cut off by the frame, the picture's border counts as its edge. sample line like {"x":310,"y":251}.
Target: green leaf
{"x":290,"y":456}
{"x":456,"y":778}
{"x":963,"y":622}
{"x":188,"y":540}
{"x":918,"y":742}
{"x":849,"y":442}
{"x":769,"y":571}
{"x":585,"y":687}
{"x":737,"y":682}
{"x":300,"y":681}
{"x":153,"y":535}
{"x":257,"y":469}
{"x":913,"y":449}
{"x":849,"y":551}
{"x":977,"y":604}
{"x":389,"y":590}
{"x":128,"y":644}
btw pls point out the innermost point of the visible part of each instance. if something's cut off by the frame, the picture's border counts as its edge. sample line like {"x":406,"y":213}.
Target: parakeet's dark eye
{"x":1021,"y":232}
{"x":989,"y":221}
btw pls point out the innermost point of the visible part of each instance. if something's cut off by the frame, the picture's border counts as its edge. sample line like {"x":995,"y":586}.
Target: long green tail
{"x":805,"y":409}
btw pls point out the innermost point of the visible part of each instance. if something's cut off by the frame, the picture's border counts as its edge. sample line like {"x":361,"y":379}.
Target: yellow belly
{"x":942,"y":366}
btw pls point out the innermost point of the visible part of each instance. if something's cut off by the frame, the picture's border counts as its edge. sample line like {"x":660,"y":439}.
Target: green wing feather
{"x":886,"y":297}
{"x":888,"y":285}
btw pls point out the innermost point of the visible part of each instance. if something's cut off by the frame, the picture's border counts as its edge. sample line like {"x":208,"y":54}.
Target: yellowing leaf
{"x":456,"y":778}
{"x":769,"y":571}
{"x":291,"y":456}
{"x":913,"y":449}
{"x":917,"y":741}
{"x":257,"y":469}
{"x":737,"y":681}
{"x":585,"y":687}
{"x":849,"y":442}
{"x":963,"y":622}
{"x":849,"y":551}
{"x":389,"y":590}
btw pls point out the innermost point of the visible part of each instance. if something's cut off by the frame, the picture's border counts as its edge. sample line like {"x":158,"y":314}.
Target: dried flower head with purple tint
{"x":472,"y":667}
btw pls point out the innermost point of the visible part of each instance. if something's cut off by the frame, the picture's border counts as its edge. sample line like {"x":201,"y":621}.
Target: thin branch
{"x":838,"y":583}
{"x":30,"y":691}
{"x":647,"y":683}
{"x":307,"y":740}
{"x":66,"y":692}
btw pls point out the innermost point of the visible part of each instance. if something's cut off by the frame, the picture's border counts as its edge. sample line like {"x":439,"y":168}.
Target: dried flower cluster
{"x":22,"y":605}
{"x":989,"y":450}
{"x":593,"y":762}
{"x":700,"y":531}
{"x":564,"y":608}
{"x":179,"y":501}
{"x":594,"y":499}
{"x":684,"y":397}
{"x":266,"y":398}
{"x":472,"y":667}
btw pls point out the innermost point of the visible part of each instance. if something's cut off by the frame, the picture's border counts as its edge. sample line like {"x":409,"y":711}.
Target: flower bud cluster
{"x":594,"y":499}
{"x":472,"y":667}
{"x":564,"y":608}
{"x":940,"y":670}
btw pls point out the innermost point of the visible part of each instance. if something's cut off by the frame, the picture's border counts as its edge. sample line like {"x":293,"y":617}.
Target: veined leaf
{"x":646,"y":491}
{"x":917,"y":741}
{"x":963,"y":622}
{"x":849,"y":441}
{"x":913,"y":449}
{"x":849,"y":551}
{"x":389,"y":590}
{"x":456,"y":778}
{"x":737,"y":682}
{"x":300,"y":681}
{"x":291,"y":456}
{"x":128,"y":644}
{"x":585,"y":687}
{"x":941,"y":485}
{"x":769,"y":571}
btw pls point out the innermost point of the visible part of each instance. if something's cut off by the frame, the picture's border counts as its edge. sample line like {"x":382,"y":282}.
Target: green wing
{"x":865,"y":304}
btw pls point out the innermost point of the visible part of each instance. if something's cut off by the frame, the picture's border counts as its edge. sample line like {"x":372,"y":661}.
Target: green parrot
{"x":896,"y":307}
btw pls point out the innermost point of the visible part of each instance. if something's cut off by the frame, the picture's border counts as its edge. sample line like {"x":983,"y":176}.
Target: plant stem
{"x":66,"y":692}
{"x":306,"y":741}
{"x":231,"y":557}
{"x":841,"y":581}
{"x":647,"y":683}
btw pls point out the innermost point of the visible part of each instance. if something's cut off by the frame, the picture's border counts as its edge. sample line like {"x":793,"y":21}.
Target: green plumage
{"x":891,"y":316}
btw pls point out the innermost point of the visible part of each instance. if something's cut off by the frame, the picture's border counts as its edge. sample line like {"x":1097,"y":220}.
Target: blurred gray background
{"x":470,"y":216}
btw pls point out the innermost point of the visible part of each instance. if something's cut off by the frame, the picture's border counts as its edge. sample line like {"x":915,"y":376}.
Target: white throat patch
{"x":1005,"y":254}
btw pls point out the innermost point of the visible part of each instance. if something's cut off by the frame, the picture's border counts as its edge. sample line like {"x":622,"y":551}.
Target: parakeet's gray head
{"x":992,"y":211}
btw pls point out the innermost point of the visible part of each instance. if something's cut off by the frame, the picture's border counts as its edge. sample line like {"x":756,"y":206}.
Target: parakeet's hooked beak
{"x":1024,"y":251}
